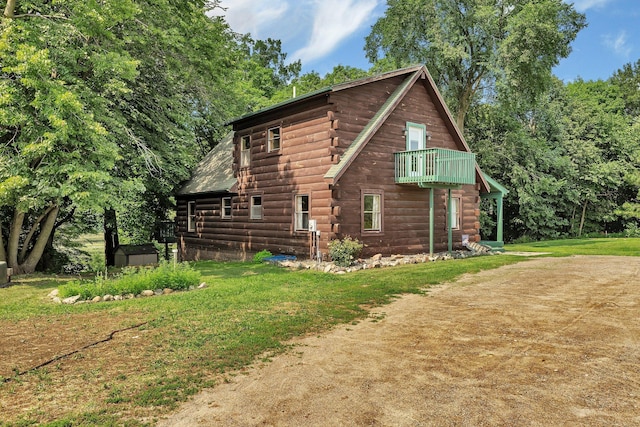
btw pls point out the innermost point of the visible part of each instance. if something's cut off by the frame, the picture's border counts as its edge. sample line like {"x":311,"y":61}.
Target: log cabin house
{"x":379,"y":159}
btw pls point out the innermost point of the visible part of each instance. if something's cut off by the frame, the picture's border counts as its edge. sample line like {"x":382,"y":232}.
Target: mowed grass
{"x":598,"y":246}
{"x":192,"y":340}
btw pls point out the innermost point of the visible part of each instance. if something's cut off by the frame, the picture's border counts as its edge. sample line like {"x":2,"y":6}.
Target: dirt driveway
{"x":547,"y":342}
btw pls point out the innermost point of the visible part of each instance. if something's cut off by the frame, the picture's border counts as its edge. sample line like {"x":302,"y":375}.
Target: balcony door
{"x":416,"y":142}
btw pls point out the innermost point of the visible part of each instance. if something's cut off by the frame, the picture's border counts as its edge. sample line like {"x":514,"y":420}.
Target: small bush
{"x":344,"y":252}
{"x":134,"y":280}
{"x":260,"y":256}
{"x":632,"y":230}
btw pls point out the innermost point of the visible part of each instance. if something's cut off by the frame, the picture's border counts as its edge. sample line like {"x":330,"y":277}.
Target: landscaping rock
{"x":53,"y":293}
{"x":379,"y":261}
{"x":118,"y":298}
{"x":167,"y":291}
{"x":107,"y":297}
{"x":56,"y":300}
{"x":71,"y":300}
{"x":147,"y":293}
{"x":202,"y":285}
{"x":96,"y":299}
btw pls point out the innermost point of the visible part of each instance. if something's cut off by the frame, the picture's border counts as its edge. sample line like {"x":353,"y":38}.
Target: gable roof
{"x":415,"y":73}
{"x":214,"y":173}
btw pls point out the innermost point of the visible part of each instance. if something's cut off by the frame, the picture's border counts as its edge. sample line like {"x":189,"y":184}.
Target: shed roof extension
{"x":214,"y":173}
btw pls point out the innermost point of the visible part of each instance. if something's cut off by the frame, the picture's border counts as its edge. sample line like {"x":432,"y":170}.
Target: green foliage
{"x":312,"y":81}
{"x":343,"y":252}
{"x":476,"y":48}
{"x":260,"y":256}
{"x":632,"y":230}
{"x":134,"y":280}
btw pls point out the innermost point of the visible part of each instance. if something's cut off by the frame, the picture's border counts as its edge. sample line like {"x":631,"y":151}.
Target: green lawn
{"x":190,"y":338}
{"x":600,"y":246}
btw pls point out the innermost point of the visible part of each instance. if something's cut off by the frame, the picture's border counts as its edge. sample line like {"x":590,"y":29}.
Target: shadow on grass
{"x":232,"y":270}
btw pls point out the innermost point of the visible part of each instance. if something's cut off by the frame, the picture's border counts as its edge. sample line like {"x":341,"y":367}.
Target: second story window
{"x":245,"y":151}
{"x":273,"y":139}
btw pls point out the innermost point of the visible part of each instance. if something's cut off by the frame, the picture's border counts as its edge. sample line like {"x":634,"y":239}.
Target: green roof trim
{"x":372,"y":127}
{"x":495,"y":186}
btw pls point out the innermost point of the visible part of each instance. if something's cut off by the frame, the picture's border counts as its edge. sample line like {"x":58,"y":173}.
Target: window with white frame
{"x":455,"y":213}
{"x":302,"y":212}
{"x":245,"y":151}
{"x":371,"y":212}
{"x":273,"y":139}
{"x":225,"y":210}
{"x":191,"y":216}
{"x":256,"y":207}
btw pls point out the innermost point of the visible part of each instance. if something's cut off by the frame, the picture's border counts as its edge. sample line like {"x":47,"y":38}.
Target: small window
{"x":191,"y":216}
{"x":225,"y":211}
{"x":455,"y":213}
{"x":372,"y":214}
{"x":274,"y":139}
{"x":302,"y":212}
{"x":256,"y":207}
{"x":245,"y":151}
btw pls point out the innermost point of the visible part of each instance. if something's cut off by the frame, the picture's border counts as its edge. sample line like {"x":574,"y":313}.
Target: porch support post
{"x":499,"y":218}
{"x":431,"y":221}
{"x":449,"y":221}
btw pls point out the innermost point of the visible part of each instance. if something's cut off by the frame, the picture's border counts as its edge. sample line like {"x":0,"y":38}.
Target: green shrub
{"x":132,"y":280}
{"x":344,"y":252}
{"x":632,"y":230}
{"x":260,"y":256}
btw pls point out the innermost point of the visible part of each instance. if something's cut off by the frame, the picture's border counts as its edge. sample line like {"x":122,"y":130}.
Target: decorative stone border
{"x":378,"y":261}
{"x":146,"y":293}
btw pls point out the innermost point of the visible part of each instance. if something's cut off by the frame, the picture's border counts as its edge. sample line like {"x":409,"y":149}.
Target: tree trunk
{"x":32,"y":232}
{"x":111,"y":240}
{"x":9,"y":10}
{"x":584,"y":211}
{"x":3,"y":253}
{"x":14,"y":238}
{"x":29,"y":265}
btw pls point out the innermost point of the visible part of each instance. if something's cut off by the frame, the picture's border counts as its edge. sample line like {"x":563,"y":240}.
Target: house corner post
{"x":499,"y":236}
{"x":431,"y":221}
{"x":449,"y":222}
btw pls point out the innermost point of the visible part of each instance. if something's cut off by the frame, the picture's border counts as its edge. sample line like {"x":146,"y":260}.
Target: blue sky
{"x":326,"y":33}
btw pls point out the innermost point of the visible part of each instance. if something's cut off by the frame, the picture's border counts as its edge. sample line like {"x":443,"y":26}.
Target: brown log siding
{"x":313,"y":137}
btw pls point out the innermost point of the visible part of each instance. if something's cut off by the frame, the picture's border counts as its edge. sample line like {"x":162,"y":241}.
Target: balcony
{"x":435,"y":167}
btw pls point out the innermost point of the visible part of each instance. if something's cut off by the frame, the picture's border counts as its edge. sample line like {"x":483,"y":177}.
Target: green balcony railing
{"x":435,"y":166}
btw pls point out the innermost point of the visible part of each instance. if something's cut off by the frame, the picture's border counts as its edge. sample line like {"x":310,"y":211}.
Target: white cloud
{"x":333,"y":22}
{"x":619,"y":44}
{"x":261,"y":18}
{"x":583,"y":5}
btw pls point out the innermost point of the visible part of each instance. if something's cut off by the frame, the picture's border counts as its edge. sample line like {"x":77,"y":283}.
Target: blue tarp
{"x":280,"y":258}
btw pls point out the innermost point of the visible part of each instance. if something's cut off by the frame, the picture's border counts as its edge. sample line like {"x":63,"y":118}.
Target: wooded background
{"x":106,"y":106}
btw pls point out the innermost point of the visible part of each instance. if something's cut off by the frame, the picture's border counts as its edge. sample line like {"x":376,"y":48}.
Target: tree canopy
{"x":108,"y":104}
{"x":476,"y":47}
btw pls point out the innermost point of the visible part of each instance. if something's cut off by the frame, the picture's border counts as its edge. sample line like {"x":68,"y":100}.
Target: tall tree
{"x":61,"y":67}
{"x":103,"y":103}
{"x":475,"y":47}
